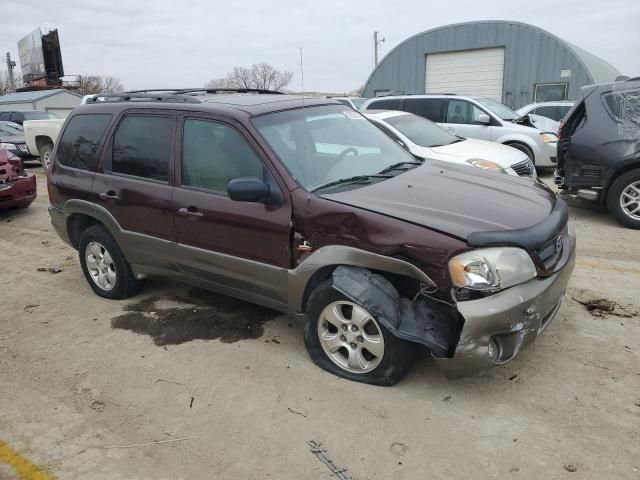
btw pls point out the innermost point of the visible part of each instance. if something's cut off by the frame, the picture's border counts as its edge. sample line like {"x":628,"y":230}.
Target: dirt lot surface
{"x":89,"y":386}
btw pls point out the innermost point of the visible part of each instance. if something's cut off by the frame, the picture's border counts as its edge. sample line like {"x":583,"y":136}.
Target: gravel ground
{"x":85,"y":383}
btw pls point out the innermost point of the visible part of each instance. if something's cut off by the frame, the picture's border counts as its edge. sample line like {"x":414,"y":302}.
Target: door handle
{"x":110,"y":195}
{"x":192,"y":213}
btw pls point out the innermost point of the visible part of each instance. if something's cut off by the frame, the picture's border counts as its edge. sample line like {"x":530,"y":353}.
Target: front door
{"x":242,"y":246}
{"x":461,"y":118}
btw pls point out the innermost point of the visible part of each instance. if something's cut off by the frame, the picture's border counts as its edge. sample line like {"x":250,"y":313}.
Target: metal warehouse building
{"x":59,"y":101}
{"x":511,"y":62}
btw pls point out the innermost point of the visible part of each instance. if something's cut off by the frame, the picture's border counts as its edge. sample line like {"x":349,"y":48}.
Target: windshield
{"x":502,"y":111}
{"x":421,"y":131}
{"x":320,"y":145}
{"x":38,"y":116}
{"x":10,"y":128}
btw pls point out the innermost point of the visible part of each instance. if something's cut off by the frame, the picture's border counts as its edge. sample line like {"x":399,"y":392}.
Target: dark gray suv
{"x":599,"y":149}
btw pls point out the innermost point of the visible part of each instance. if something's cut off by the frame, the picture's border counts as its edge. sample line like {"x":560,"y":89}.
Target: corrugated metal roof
{"x":20,"y":97}
{"x":532,"y":56}
{"x":601,"y":70}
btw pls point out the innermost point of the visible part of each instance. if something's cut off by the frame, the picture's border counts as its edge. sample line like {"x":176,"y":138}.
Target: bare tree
{"x":91,"y":84}
{"x":5,"y":83}
{"x":217,"y":83}
{"x":261,"y":75}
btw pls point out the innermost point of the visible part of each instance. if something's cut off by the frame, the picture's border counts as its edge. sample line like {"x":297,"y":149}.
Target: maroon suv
{"x":304,"y":206}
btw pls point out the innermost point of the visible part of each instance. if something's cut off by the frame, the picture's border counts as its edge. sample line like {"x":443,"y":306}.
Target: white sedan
{"x":425,"y":139}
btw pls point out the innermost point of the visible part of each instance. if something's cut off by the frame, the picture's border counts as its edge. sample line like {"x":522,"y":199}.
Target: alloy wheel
{"x":630,"y":200}
{"x":100,"y":265}
{"x":350,"y":337}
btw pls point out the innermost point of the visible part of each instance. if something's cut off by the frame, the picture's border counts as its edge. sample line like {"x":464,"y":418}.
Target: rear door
{"x":132,"y":189}
{"x":239,"y":247}
{"x":461,"y":118}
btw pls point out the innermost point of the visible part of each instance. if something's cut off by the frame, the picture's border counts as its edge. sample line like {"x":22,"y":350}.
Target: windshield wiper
{"x":355,"y":179}
{"x":396,"y":166}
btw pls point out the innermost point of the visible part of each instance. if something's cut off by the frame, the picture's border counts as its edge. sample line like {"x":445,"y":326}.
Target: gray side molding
{"x":422,"y":320}
{"x":79,"y":206}
{"x":336,"y":255}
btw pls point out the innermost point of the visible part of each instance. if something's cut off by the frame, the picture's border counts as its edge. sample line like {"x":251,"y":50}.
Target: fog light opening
{"x":495,"y":349}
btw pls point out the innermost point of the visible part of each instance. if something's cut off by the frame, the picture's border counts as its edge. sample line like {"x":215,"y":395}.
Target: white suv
{"x":476,"y":117}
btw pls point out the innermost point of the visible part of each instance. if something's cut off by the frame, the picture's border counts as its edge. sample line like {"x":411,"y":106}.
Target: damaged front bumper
{"x":19,"y":192}
{"x":496,"y":328}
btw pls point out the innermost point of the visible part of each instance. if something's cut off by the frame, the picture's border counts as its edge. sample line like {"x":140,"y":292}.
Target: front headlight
{"x":486,"y":164}
{"x":8,"y":146}
{"x":491,"y":269}
{"x":548,"y":137}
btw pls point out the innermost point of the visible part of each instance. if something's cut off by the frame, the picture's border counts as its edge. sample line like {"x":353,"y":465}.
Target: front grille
{"x":550,"y":252}
{"x":22,"y":146}
{"x":524,"y":168}
{"x":591,"y":172}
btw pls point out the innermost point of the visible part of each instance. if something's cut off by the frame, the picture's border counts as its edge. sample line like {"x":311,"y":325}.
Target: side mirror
{"x":483,"y":119}
{"x":248,"y":189}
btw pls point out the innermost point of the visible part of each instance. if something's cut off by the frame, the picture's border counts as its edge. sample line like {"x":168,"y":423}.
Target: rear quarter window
{"x":429,"y":108}
{"x":389,"y":104}
{"x":623,"y":106}
{"x":78,"y":147}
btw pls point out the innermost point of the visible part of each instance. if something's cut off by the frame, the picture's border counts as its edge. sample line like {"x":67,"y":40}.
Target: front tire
{"x":343,"y":338}
{"x":104,"y":266}
{"x":525,"y":149}
{"x":623,"y":199}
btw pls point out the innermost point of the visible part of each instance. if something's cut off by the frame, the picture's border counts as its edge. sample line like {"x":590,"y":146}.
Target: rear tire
{"x":623,"y":199}
{"x":394,"y":356}
{"x":104,"y":266}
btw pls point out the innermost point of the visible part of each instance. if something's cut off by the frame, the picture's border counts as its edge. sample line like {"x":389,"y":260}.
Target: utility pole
{"x":10,"y":65}
{"x":376,"y":42}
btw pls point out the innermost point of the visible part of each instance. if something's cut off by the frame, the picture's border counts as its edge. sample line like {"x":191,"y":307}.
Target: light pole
{"x":10,"y":66}
{"x":376,"y":42}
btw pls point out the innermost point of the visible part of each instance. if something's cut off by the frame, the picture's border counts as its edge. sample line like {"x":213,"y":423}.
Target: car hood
{"x":544,"y":123}
{"x":454,"y":199}
{"x":536,"y":122}
{"x":460,"y":152}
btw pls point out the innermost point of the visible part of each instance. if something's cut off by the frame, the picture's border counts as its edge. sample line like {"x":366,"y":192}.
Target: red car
{"x":17,"y":187}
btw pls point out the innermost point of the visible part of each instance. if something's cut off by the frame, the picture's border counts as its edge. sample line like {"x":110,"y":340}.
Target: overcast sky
{"x":169,"y":43}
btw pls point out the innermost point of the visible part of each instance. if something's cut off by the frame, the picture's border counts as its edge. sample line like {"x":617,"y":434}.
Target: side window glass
{"x":429,"y":108}
{"x":214,"y":153}
{"x":78,"y":147}
{"x":141,"y":147}
{"x":548,"y":112}
{"x":4,"y":116}
{"x":562,"y":112}
{"x":462,"y":112}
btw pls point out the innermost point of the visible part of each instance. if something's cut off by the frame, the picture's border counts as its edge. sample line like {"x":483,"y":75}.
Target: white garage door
{"x":470,"y":72}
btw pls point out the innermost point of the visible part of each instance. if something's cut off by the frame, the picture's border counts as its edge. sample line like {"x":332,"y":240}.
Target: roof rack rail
{"x":229,"y":90}
{"x":154,"y":90}
{"x":142,"y":97}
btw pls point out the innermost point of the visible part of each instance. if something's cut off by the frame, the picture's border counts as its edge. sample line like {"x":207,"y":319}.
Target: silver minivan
{"x":476,"y":117}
